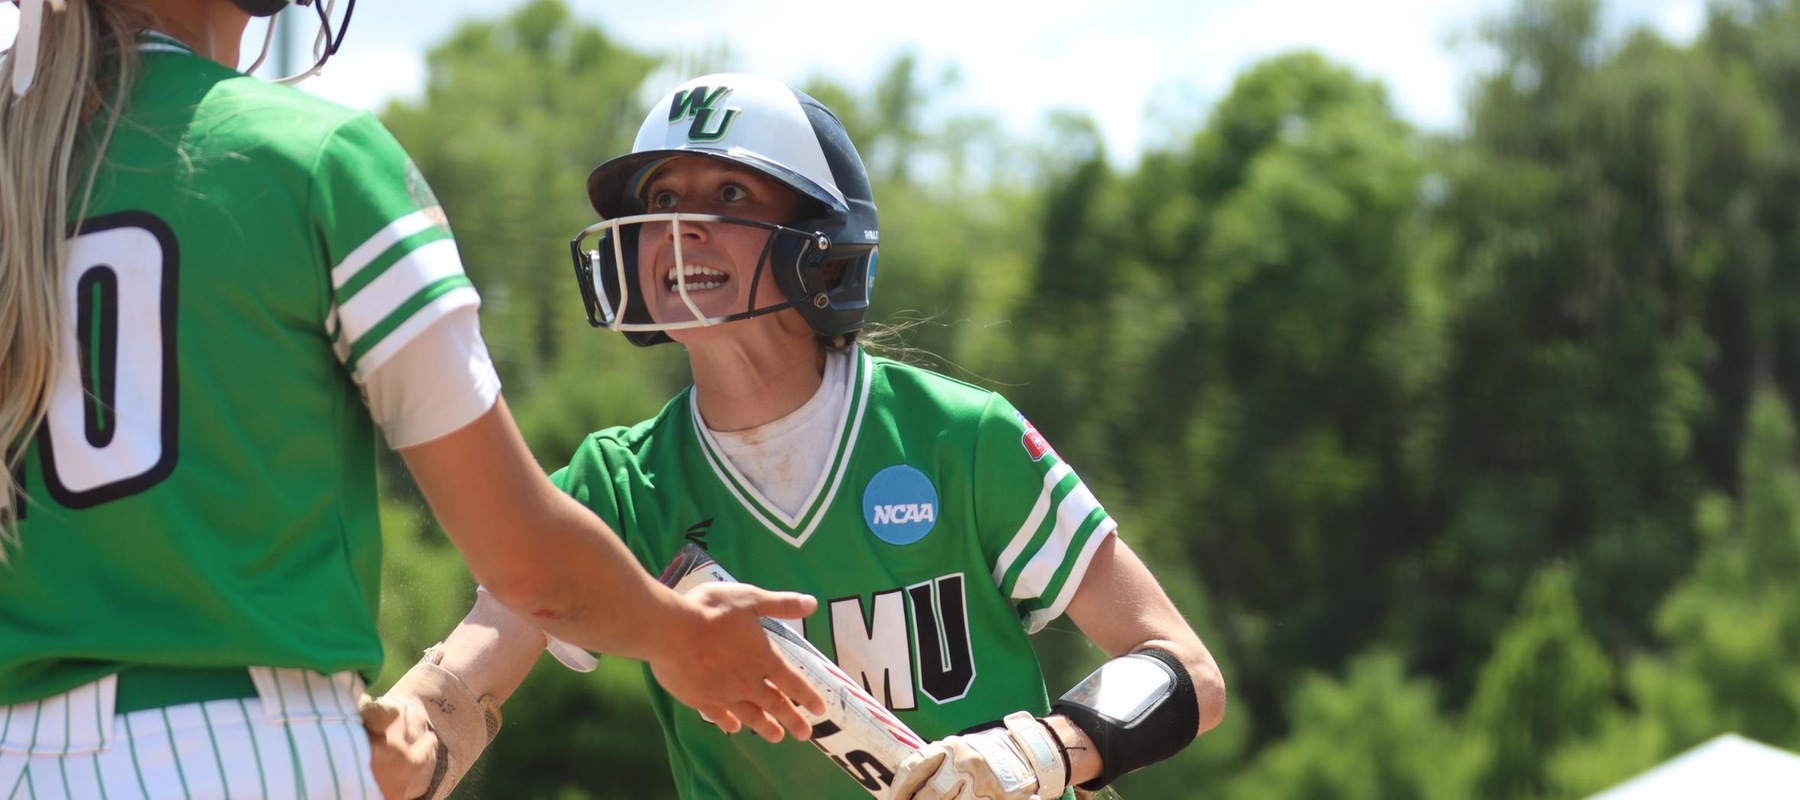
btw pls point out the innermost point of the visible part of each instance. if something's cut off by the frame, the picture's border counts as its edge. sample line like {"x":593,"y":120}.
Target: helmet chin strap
{"x":25,"y":47}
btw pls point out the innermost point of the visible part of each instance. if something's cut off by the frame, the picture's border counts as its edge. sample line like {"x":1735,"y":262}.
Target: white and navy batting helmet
{"x":824,"y":263}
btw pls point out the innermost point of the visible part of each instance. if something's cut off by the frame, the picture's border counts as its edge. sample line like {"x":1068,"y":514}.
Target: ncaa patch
{"x":1034,"y":442}
{"x":900,"y":505}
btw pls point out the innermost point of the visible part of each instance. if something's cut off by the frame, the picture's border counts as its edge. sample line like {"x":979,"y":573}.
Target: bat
{"x":856,"y":731}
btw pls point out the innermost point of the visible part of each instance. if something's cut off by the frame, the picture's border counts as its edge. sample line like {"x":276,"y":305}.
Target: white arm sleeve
{"x":438,"y":382}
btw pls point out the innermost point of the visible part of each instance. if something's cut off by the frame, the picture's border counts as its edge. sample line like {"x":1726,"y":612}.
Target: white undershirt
{"x":784,"y":459}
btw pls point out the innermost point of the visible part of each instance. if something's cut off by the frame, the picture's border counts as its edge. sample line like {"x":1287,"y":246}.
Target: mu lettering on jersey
{"x":906,"y":642}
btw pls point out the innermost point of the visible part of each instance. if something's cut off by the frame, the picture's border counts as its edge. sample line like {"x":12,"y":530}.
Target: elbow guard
{"x":1139,"y":709}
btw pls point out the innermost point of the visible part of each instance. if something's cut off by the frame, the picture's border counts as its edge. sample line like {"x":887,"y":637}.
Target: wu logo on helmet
{"x":697,"y":104}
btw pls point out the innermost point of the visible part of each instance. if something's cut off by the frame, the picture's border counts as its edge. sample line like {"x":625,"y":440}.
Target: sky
{"x":1130,"y":64}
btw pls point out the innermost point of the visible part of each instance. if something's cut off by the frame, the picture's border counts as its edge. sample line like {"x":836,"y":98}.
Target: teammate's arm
{"x":547,"y":557}
{"x":457,"y":688}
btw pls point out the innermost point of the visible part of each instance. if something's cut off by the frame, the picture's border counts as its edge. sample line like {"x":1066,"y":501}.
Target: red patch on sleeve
{"x":1035,"y":443}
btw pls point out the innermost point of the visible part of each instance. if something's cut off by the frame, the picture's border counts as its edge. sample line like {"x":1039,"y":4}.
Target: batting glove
{"x":1021,"y":761}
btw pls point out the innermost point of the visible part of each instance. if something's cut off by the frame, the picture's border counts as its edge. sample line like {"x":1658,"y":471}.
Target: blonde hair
{"x":83,"y":70}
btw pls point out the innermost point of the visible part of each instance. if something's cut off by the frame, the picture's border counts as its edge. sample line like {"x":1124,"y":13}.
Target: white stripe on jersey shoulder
{"x":159,"y":42}
{"x":793,"y":530}
{"x":1029,"y":528}
{"x":383,"y":239}
{"x":427,"y":315}
{"x":397,"y":284}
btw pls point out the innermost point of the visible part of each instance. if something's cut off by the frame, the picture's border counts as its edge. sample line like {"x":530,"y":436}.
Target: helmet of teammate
{"x":823,"y":263}
{"x":262,"y":8}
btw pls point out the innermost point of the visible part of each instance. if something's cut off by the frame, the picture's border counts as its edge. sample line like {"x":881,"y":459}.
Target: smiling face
{"x":718,"y":260}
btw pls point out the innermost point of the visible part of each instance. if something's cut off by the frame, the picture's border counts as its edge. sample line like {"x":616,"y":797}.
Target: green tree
{"x":1547,"y":684}
{"x":1729,"y":632}
{"x":1375,"y":735}
{"x":1598,"y":207}
{"x":1229,"y":343}
{"x":1736,"y":621}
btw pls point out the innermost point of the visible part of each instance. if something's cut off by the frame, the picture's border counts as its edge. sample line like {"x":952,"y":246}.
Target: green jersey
{"x":202,"y":492}
{"x":943,"y":530}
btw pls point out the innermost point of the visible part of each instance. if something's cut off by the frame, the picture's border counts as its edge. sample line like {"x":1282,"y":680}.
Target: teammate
{"x":929,"y":514}
{"x":213,"y":292}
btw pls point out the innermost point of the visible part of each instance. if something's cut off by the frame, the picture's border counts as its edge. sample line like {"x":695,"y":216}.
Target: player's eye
{"x":733,"y":193}
{"x":662,"y":201}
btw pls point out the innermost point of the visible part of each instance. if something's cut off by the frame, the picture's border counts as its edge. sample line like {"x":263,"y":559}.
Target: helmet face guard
{"x":823,"y":265}
{"x":606,"y":268}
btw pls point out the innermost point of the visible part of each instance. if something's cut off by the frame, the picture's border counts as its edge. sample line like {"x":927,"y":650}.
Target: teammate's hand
{"x":402,"y":747}
{"x":727,"y":669}
{"x":1020,"y":761}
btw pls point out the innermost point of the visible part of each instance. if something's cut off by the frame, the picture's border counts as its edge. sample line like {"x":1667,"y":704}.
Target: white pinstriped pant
{"x":300,"y":738}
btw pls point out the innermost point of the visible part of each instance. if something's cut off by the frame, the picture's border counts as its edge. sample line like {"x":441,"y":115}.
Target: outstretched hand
{"x":402,"y":747}
{"x":726,"y":668}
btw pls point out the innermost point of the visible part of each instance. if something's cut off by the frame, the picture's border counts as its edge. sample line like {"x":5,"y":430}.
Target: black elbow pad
{"x":1139,"y":709}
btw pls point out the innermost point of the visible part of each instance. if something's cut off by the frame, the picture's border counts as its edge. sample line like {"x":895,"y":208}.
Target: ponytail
{"x":86,"y":59}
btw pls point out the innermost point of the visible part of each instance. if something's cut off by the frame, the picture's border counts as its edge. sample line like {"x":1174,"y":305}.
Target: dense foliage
{"x":1471,"y":455}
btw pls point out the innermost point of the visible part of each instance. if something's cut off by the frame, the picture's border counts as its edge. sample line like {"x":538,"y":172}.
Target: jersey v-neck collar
{"x":159,"y":42}
{"x":794,"y":530}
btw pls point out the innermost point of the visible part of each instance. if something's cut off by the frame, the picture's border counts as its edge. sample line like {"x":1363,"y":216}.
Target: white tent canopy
{"x":1727,"y":766}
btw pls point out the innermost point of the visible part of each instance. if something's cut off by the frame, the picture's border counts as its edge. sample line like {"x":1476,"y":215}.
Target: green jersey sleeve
{"x":1038,"y":521}
{"x":394,"y":265}
{"x":589,"y":480}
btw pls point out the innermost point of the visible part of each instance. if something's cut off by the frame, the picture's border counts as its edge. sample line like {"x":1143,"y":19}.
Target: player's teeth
{"x":689,"y":273}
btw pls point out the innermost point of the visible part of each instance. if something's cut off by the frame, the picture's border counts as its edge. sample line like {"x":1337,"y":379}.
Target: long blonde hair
{"x":85,"y":67}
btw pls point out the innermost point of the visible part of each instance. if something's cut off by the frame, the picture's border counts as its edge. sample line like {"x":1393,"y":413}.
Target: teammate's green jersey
{"x":202,"y":492}
{"x":943,"y":530}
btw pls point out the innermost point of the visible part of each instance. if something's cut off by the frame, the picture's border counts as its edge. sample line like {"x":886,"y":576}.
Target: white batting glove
{"x":1021,"y":761}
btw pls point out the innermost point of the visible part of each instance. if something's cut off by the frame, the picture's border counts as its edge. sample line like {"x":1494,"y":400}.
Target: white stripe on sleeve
{"x":387,"y":237}
{"x":1036,"y":620}
{"x":1029,"y":529}
{"x":372,"y":304}
{"x":1071,"y":516}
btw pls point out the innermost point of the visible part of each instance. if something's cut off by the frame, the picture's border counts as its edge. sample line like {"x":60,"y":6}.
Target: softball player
{"x":247,"y":283}
{"x":932,"y":520}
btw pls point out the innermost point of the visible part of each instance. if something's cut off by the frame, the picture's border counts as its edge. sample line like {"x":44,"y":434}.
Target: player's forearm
{"x":1085,"y":763}
{"x":1122,"y":609}
{"x":538,"y":551}
{"x":493,"y":649}
{"x":578,"y":582}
